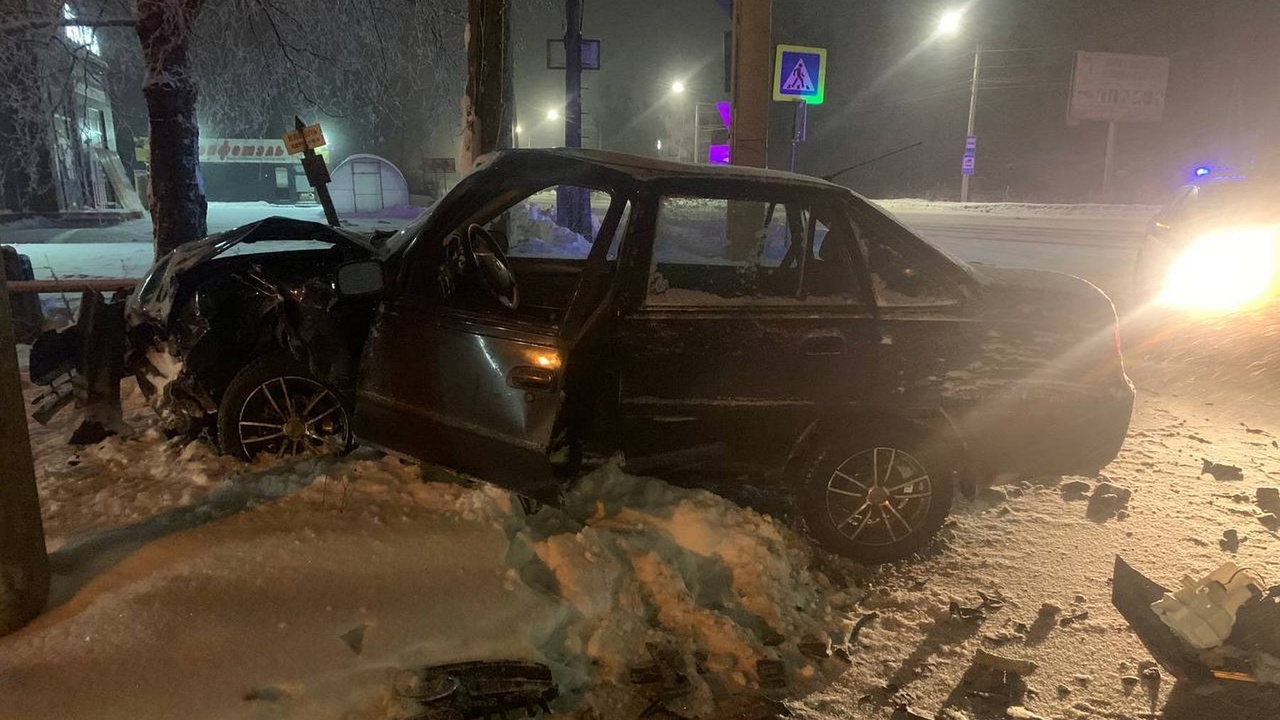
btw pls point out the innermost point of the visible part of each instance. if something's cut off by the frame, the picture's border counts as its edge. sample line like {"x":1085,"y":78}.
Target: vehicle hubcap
{"x":292,"y":416}
{"x":878,"y":496}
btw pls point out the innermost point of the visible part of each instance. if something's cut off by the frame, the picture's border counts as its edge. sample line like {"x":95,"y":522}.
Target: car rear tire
{"x":276,"y":407}
{"x":878,"y":497}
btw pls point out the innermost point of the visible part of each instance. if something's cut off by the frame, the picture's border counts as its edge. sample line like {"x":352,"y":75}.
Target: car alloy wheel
{"x":879,"y":496}
{"x":292,"y":415}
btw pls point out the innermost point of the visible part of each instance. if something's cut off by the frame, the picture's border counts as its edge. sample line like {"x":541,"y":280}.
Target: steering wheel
{"x":484,"y":254}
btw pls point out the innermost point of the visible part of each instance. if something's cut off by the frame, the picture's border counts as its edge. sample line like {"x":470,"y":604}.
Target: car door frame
{"x":407,"y":427}
{"x":802,"y":416}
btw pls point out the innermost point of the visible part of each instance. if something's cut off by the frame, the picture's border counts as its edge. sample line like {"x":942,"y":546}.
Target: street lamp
{"x":677,"y":87}
{"x":951,"y":21}
{"x":553,"y":114}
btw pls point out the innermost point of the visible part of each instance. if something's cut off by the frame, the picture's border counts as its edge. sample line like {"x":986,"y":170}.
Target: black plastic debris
{"x":772,"y":674}
{"x":476,"y":689}
{"x":1220,"y":471}
{"x":974,"y":614}
{"x":863,"y":621}
{"x":354,"y":638}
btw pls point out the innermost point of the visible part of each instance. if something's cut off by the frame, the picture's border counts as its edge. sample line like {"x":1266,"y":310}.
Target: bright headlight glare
{"x":1223,"y":271}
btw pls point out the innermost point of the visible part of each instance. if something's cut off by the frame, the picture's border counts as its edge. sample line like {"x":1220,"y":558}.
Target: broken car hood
{"x":153,"y":298}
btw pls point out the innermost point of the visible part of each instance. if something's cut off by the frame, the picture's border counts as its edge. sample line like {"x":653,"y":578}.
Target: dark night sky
{"x":1223,"y":101}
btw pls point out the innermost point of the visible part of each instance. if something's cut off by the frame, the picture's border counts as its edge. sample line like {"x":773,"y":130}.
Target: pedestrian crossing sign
{"x":800,"y":74}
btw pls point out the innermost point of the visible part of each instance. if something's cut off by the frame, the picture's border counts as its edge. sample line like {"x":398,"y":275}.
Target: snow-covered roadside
{"x":186,"y":584}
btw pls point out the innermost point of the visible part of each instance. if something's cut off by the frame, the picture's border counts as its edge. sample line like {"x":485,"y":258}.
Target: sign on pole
{"x":1118,"y":88}
{"x":556,"y":54}
{"x":967,"y":165}
{"x":800,"y":74}
{"x":308,"y":138}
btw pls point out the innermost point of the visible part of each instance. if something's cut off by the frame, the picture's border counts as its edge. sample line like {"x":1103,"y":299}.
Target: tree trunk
{"x":486,"y":123}
{"x":177,"y":191}
{"x":24,"y":565}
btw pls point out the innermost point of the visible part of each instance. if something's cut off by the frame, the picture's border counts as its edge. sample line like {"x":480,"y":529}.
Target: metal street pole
{"x":973,"y":113}
{"x":573,"y":205}
{"x":24,"y":563}
{"x":1108,"y":171}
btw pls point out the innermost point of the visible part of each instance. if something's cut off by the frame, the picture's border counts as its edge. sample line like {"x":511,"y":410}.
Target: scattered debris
{"x":1221,"y":472}
{"x":268,"y":693}
{"x":1230,"y":541}
{"x":1221,"y":626}
{"x":992,"y":496}
{"x":863,"y":621}
{"x":906,"y":712}
{"x":477,"y":689}
{"x":1081,"y":680}
{"x":1129,"y":682}
{"x":1107,"y":500}
{"x":814,"y":647}
{"x":772,"y":674}
{"x":1073,"y":619}
{"x":1018,"y":712}
{"x":1270,"y":522}
{"x":1063,"y":690}
{"x":1050,"y":609}
{"x":1076,"y":490}
{"x":1268,"y":499}
{"x":991,"y":602}
{"x":1003,"y":663}
{"x":354,"y":638}
{"x":969,"y":614}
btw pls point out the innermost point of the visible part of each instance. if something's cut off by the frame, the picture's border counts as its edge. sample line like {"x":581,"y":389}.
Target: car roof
{"x":646,"y":169}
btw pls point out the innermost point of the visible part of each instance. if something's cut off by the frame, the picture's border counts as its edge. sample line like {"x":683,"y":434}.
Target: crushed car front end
{"x":211,"y":307}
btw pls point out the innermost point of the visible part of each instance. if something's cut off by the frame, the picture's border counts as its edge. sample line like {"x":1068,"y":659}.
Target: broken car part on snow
{"x":1224,"y":625}
{"x":561,"y":306}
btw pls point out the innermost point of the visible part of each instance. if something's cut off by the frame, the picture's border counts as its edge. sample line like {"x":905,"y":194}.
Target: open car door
{"x":455,"y":374}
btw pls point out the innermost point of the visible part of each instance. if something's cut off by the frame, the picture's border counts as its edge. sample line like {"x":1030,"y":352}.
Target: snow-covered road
{"x":189,"y":584}
{"x":1097,"y":243}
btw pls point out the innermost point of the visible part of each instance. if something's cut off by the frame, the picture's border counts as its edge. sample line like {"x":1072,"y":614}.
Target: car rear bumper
{"x":1072,"y":432}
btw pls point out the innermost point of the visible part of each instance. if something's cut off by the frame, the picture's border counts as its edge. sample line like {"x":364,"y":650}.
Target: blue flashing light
{"x":1203,"y":171}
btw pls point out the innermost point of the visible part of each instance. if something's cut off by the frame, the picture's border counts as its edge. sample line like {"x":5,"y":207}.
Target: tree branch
{"x":45,"y":23}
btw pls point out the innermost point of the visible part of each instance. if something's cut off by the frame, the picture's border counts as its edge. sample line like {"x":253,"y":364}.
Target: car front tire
{"x":276,"y":407}
{"x":877,"y":497}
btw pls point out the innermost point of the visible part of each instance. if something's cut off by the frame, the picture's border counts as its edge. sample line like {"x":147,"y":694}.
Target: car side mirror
{"x":359,"y":278}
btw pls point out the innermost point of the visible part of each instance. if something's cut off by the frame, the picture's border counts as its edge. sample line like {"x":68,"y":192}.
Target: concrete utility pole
{"x":752,"y":75}
{"x":24,"y":564}
{"x":973,"y":115}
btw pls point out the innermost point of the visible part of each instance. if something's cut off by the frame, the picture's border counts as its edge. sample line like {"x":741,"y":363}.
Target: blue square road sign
{"x":800,"y":74}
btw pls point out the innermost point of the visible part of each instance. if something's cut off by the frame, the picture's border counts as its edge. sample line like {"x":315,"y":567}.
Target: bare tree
{"x":384,"y":68}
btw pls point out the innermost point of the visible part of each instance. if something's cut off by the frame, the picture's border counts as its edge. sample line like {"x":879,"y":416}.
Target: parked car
{"x":1213,"y":247}
{"x":561,"y":306}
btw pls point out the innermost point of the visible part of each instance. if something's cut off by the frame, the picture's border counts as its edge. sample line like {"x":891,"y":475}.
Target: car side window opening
{"x":559,"y":222}
{"x":714,"y":251}
{"x":903,"y":272}
{"x":548,"y":237}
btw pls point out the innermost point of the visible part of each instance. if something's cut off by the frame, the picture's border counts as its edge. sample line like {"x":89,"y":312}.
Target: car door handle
{"x":528,"y":377}
{"x":823,"y":345}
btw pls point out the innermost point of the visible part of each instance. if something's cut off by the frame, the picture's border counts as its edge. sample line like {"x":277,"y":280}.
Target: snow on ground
{"x":188,"y":584}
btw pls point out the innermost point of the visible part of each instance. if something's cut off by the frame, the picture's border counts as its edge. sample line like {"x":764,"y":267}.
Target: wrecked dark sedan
{"x":712,"y":325}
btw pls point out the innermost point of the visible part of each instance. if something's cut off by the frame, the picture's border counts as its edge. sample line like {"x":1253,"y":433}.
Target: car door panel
{"x":444,"y":386}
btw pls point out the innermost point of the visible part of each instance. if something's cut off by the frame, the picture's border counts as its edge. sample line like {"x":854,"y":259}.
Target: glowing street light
{"x":553,"y":114}
{"x":677,"y":87}
{"x":951,"y":21}
{"x":519,"y":129}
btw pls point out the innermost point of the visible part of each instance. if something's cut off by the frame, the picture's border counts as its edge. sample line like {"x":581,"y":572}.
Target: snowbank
{"x":916,"y":205}
{"x":635,"y":564}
